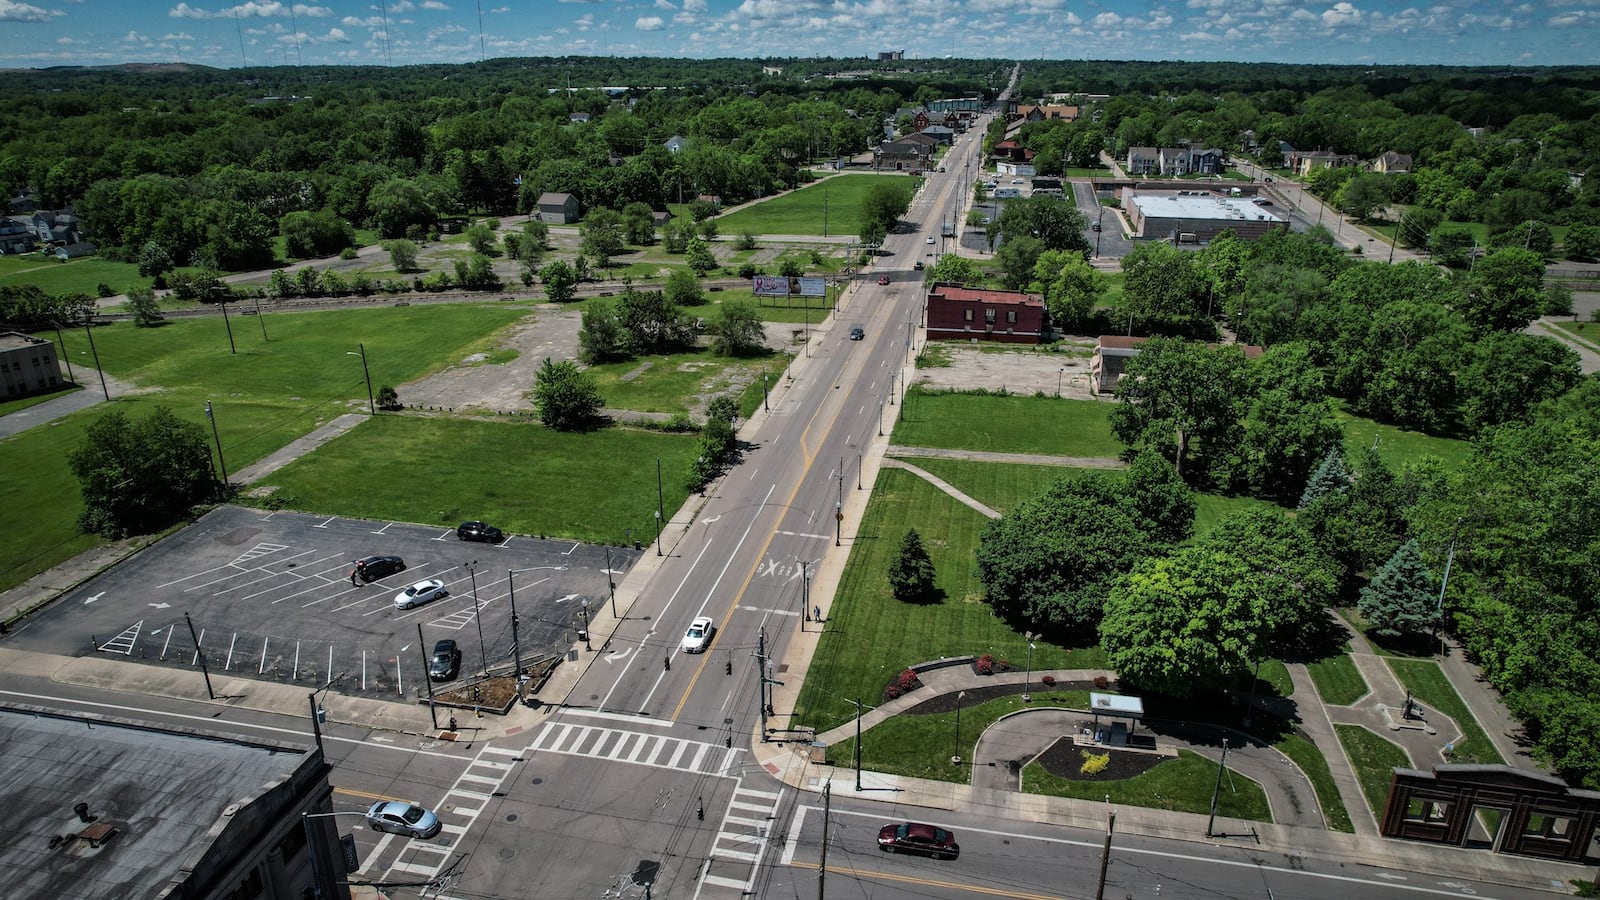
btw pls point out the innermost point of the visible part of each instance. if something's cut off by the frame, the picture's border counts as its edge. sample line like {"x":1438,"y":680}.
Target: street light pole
{"x":88,"y":330}
{"x":516,"y":649}
{"x":660,"y":507}
{"x":764,"y":405}
{"x":1027,"y":680}
{"x":611,"y":585}
{"x":214,"y":437}
{"x":955,"y":758}
{"x":372,"y":407}
{"x":477,"y":616}
{"x":583,"y":612}
{"x":64,"y":357}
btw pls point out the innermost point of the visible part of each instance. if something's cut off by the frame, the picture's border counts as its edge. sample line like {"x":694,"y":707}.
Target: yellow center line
{"x":788,"y":503}
{"x":928,"y":882}
{"x":348,"y":792}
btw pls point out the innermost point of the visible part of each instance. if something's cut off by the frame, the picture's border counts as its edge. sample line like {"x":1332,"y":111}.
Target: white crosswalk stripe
{"x":618,"y":745}
{"x":743,"y":837}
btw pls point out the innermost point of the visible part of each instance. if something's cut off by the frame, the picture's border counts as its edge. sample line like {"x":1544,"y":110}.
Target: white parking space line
{"x":386,"y":527}
{"x":326,"y":522}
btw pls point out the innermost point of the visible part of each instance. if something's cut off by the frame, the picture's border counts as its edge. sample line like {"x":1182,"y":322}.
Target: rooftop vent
{"x":82,"y":810}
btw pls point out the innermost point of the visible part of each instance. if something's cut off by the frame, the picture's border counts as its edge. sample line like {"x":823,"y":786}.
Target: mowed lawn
{"x":871,"y":636}
{"x":1006,"y":424}
{"x":264,"y":396}
{"x":1397,"y":447}
{"x":834,"y":203}
{"x":82,"y":276}
{"x":517,"y":474}
{"x":669,"y":383}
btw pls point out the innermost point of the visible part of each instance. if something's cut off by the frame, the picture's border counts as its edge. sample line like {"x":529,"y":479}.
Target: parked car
{"x":1017,"y":181}
{"x":446,"y":661}
{"x":371,"y":568}
{"x":420,"y":593}
{"x":399,"y":817}
{"x":883,"y":279}
{"x":915,"y":837}
{"x":698,"y":637}
{"x":479,"y":531}
{"x":930,"y":240}
{"x":857,"y":332}
{"x":1094,"y":226}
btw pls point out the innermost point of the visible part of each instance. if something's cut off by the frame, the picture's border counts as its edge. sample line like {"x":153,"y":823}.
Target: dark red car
{"x":915,"y":837}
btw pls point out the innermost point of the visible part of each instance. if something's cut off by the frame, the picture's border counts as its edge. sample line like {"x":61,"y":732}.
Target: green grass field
{"x":669,"y":383}
{"x":8,"y":407}
{"x":83,"y":275}
{"x":1375,"y":759}
{"x":1583,"y":332}
{"x":835,"y":201}
{"x":1180,"y":785}
{"x":1311,"y":761}
{"x":1009,"y":424}
{"x":871,"y":636}
{"x":1398,"y":447}
{"x":1429,"y":686}
{"x":517,"y":474}
{"x":1337,"y":679}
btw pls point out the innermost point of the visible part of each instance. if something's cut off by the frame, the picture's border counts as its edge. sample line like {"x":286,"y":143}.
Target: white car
{"x":930,"y":240}
{"x":420,"y":593}
{"x":698,"y":637}
{"x":1017,"y":181}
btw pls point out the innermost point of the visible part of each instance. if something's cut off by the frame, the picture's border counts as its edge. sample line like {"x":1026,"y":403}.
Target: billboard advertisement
{"x":780,"y":286}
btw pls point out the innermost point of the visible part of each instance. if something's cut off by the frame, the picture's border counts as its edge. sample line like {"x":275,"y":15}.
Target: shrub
{"x":1101,"y":682}
{"x":891,"y":692}
{"x":1047,"y":680}
{"x":1005,"y":665}
{"x":1094,"y":763}
{"x":908,"y":680}
{"x":985,"y":664}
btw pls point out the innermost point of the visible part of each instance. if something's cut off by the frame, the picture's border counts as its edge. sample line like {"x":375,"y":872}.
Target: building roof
{"x":12,"y":340}
{"x":957,"y":292}
{"x":1128,"y":346}
{"x":163,"y":791}
{"x":551,"y":198}
{"x":1209,"y":207}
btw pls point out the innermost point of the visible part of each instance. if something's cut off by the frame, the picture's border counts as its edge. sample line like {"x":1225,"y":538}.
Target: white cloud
{"x":694,"y":6}
{"x":664,"y":4}
{"x":434,"y":5}
{"x":1340,"y":15}
{"x":26,"y":12}
{"x":1107,"y":20}
{"x":401,"y":6}
{"x":134,"y":37}
{"x":177,"y":36}
{"x":334,"y":36}
{"x":648,"y":23}
{"x":368,"y":22}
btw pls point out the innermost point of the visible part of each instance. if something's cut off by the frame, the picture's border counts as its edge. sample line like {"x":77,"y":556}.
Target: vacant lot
{"x":830,"y":207}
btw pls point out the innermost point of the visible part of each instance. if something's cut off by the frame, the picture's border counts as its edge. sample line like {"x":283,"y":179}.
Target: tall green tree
{"x":142,"y":303}
{"x":560,"y":281}
{"x":738,"y":331}
{"x":1504,"y":291}
{"x":1161,"y":286}
{"x":1329,"y":477}
{"x":911,"y":575}
{"x":698,"y":256}
{"x":1184,"y":400}
{"x":601,"y":337}
{"x":567,"y":398}
{"x":1289,"y":426}
{"x":602,"y":234}
{"x":1400,"y":599}
{"x":140,"y":476}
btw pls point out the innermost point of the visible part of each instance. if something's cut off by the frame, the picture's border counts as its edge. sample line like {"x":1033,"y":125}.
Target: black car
{"x":371,"y":568}
{"x":479,"y":531}
{"x":446,"y":661}
{"x":857,"y":332}
{"x":918,"y":266}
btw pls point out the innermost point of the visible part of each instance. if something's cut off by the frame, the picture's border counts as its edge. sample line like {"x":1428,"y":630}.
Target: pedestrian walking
{"x":353,"y":578}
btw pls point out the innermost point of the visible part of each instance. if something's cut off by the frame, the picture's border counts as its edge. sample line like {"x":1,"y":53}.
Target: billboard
{"x":780,"y":286}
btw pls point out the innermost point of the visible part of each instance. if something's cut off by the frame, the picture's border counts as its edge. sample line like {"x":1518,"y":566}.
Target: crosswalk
{"x":619,"y":745}
{"x":742,"y":839}
{"x":483,"y":777}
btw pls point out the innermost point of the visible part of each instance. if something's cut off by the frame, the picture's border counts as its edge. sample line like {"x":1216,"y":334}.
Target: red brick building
{"x":964,"y":314}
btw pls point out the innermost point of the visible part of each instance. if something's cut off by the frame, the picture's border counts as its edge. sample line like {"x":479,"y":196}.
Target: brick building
{"x":960,"y":313}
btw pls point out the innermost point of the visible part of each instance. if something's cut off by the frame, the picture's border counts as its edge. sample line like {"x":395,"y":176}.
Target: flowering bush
{"x":1004,"y":664}
{"x":1094,"y":763}
{"x":985,"y":664}
{"x":908,"y":680}
{"x":1101,"y":682}
{"x":891,"y":692}
{"x":1047,"y":680}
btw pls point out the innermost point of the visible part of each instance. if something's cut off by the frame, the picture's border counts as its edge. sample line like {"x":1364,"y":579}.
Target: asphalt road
{"x":270,"y":597}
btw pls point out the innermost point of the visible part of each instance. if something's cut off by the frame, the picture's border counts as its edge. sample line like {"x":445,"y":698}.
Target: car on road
{"x":399,"y":817}
{"x":371,"y":568}
{"x":445,"y":663}
{"x":1094,"y":226}
{"x":420,"y":593}
{"x":857,"y":332}
{"x":915,"y":837}
{"x":918,"y":266}
{"x":883,"y":279}
{"x":1017,"y":181}
{"x":930,"y":240}
{"x":698,"y":637}
{"x":479,"y":531}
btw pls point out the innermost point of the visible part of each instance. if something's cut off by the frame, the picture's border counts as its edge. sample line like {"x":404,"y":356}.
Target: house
{"x":15,"y":237}
{"x":939,"y":133}
{"x":714,"y":199}
{"x":1391,"y":162}
{"x":1042,"y":113}
{"x":1195,"y":216}
{"x":1142,"y":161}
{"x":28,"y":365}
{"x":772,"y":70}
{"x":1111,"y":355}
{"x":558,"y":209}
{"x":65,"y":252}
{"x":904,"y":155}
{"x":676,"y":143}
{"x":26,"y":201}
{"x":55,"y":227}
{"x":1306,"y":162}
{"x":960,"y":313}
{"x":578,"y":118}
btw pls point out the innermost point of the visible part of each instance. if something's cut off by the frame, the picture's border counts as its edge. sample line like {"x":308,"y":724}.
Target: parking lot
{"x":269,"y":595}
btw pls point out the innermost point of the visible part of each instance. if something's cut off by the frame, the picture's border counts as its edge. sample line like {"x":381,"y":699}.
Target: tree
{"x":1054,"y":222}
{"x":1161,"y":285}
{"x":1582,"y":242}
{"x":1508,"y":373}
{"x":154,"y":261}
{"x":601,"y":337}
{"x":602,"y":234}
{"x":141,"y":476}
{"x":568,"y":398}
{"x":1017,"y":258}
{"x":310,"y":234}
{"x":1184,"y":400}
{"x":638,"y":224}
{"x":1504,"y":292}
{"x":400,"y":205}
{"x":1289,"y":426}
{"x":911,"y":575}
{"x":652,"y":323}
{"x":481,"y":238}
{"x":1048,"y":562}
{"x":1329,"y":477}
{"x":698,"y":256}
{"x":1399,"y":601}
{"x":1359,"y":526}
{"x":560,"y":281}
{"x":402,"y":254}
{"x":1154,"y":494}
{"x":142,"y":303}
{"x":953,"y":269}
{"x":881,"y":209}
{"x":1363,"y":194}
{"x":388,"y":399}
{"x":1071,"y":288}
{"x":683,"y":289}
{"x":738,"y":331}
{"x":476,"y":273}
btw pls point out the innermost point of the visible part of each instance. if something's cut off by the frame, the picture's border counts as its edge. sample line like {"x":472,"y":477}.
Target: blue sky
{"x":41,"y":33}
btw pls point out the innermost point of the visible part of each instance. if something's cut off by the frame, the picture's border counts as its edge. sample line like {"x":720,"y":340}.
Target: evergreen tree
{"x":911,"y":573}
{"x":1330,"y":477}
{"x":567,"y":397}
{"x":1400,"y":599}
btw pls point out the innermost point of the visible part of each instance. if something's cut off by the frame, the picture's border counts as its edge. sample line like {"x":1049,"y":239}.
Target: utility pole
{"x":857,"y":702}
{"x":822,"y":865}
{"x":1105,"y":854}
{"x":761,"y":679}
{"x":200,"y":655}
{"x":1216,"y":790}
{"x":427,"y":679}
{"x":611,"y":584}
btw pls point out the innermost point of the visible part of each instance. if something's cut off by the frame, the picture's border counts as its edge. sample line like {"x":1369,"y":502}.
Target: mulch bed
{"x":1065,"y":760}
{"x":944,"y":703}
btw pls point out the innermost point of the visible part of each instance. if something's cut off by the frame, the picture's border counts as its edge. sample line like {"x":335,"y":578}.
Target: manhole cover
{"x":511,"y":818}
{"x":507,"y":852}
{"x":538,"y":781}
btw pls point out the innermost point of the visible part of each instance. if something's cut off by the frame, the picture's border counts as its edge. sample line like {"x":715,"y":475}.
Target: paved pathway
{"x":1025,"y":459}
{"x":66,"y":404}
{"x":942,"y":485}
